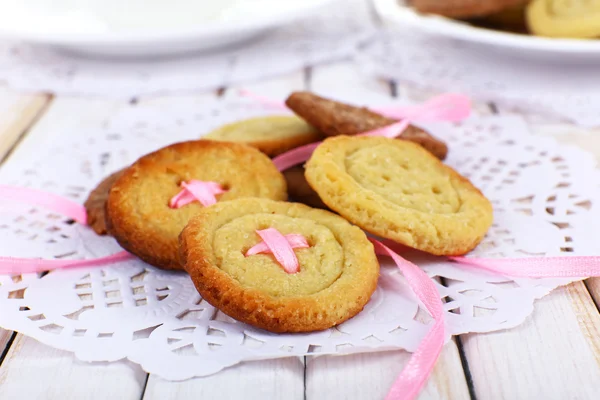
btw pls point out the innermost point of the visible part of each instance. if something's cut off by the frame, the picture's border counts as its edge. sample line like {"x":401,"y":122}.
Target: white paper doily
{"x":434,"y":62}
{"x":544,"y":196}
{"x":330,"y":35}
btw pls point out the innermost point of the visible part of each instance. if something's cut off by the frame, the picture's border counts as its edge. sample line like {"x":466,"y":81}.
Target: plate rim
{"x":212,"y":29}
{"x":394,"y":11}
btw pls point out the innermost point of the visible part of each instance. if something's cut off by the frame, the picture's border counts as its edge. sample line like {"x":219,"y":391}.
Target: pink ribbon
{"x":449,"y":107}
{"x":194,"y":190}
{"x":265,"y":101}
{"x":537,"y":267}
{"x":58,"y":204}
{"x":414,"y":375}
{"x":282,"y":248}
{"x":44,"y":199}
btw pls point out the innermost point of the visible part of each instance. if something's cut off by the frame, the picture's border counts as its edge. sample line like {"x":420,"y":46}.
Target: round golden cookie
{"x":398,"y":190}
{"x":273,"y":135}
{"x":337,"y":274}
{"x":95,"y":204}
{"x":138,"y":212}
{"x":564,"y":19}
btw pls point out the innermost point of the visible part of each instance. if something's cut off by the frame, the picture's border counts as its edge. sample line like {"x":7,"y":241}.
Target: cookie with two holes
{"x":334,"y":118}
{"x":397,"y":190}
{"x":138,"y":211}
{"x":337,"y":274}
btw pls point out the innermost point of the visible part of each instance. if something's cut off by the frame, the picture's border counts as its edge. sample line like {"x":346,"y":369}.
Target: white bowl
{"x":145,"y":28}
{"x":566,"y":51}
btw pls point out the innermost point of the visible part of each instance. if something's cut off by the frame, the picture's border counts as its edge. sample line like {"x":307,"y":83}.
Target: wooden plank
{"x":32,"y":370}
{"x":555,"y":353}
{"x":66,"y":114}
{"x":265,"y":379}
{"x":370,"y":375}
{"x":17,"y":114}
{"x":270,"y":379}
{"x":5,"y":337}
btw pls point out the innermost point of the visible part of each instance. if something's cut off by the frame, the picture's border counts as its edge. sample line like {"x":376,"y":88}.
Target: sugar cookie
{"x":337,"y":275}
{"x":139,"y":215}
{"x":272,"y":135}
{"x":564,"y":19}
{"x":397,"y":190}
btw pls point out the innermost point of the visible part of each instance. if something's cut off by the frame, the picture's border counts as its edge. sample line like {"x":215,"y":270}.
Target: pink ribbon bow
{"x":282,"y":248}
{"x":194,"y":190}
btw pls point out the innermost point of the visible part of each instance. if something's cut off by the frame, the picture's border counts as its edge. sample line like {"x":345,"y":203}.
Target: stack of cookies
{"x":205,"y":206}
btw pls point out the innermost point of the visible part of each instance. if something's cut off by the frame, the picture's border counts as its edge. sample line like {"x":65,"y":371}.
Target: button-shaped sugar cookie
{"x":152,"y":201}
{"x":273,"y":135}
{"x":566,"y":19}
{"x":398,"y":190}
{"x":315,"y":271}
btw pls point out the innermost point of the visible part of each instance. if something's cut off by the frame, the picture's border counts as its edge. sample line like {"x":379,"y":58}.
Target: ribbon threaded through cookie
{"x":195,"y":190}
{"x":282,"y":247}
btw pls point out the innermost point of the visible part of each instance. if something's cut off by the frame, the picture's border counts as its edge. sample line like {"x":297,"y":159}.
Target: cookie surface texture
{"x":138,"y":212}
{"x":334,"y":118}
{"x":95,"y":204}
{"x":272,"y":135}
{"x":397,"y":190}
{"x":579,"y":19}
{"x":337,"y":274}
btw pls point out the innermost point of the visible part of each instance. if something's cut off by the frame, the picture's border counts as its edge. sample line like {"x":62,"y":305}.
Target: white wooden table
{"x":555,"y":354}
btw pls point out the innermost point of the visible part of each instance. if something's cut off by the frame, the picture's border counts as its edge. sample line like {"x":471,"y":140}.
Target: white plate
{"x":127,"y":31}
{"x":543,"y":48}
